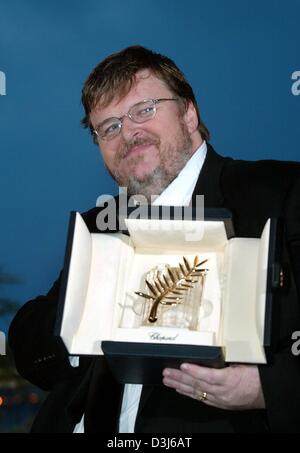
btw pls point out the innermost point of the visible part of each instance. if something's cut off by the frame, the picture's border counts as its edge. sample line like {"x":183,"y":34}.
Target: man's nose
{"x":129,"y":128}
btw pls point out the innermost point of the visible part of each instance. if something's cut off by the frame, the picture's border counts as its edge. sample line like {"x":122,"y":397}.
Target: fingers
{"x":189,"y":373}
{"x":178,"y":376}
{"x":185,"y":383}
{"x":235,"y":387}
{"x":209,"y":399}
{"x":210,"y":376}
{"x":178,"y":386}
{"x":192,"y":388}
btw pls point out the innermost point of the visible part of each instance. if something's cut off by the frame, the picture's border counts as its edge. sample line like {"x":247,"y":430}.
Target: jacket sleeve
{"x":40,"y":357}
{"x":281,"y":379}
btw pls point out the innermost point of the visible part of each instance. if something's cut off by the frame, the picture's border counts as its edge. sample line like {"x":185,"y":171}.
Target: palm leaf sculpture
{"x":169,"y":289}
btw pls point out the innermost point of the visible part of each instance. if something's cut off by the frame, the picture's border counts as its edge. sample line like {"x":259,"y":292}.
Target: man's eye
{"x":145,"y":111}
{"x":112,"y":128}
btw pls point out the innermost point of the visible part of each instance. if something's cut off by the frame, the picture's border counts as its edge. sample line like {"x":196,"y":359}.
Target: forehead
{"x":145,"y":86}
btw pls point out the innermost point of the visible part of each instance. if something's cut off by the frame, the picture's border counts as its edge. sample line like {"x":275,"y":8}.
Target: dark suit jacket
{"x":253,"y":192}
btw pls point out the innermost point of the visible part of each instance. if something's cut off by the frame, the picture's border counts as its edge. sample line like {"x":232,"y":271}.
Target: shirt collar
{"x":179,"y":192}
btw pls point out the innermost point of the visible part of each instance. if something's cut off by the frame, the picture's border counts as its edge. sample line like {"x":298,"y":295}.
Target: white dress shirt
{"x":178,"y":193}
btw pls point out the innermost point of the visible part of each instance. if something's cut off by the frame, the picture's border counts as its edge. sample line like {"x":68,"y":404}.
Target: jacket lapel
{"x":100,"y":408}
{"x":103,"y":400}
{"x":75,"y":408}
{"x":209,"y":180}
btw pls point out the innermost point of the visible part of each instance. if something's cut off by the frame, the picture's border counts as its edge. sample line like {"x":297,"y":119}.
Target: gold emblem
{"x":169,"y":287}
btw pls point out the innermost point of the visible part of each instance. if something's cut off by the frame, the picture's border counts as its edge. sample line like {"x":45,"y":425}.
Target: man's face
{"x":146,"y":157}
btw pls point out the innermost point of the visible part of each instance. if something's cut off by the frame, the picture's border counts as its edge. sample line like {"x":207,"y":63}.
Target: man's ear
{"x":191,"y":118}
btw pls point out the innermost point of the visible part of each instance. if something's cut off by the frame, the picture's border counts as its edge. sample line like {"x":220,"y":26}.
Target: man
{"x":144,"y":117}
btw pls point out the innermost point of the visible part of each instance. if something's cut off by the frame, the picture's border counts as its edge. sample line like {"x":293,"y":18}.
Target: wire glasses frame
{"x":138,"y":113}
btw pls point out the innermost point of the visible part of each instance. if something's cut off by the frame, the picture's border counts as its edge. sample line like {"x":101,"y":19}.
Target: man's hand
{"x":236,"y":387}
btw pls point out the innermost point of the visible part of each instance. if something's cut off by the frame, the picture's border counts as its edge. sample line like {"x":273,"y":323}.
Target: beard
{"x":172,"y":158}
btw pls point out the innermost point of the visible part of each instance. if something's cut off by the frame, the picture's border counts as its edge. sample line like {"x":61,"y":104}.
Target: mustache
{"x":135,"y":141}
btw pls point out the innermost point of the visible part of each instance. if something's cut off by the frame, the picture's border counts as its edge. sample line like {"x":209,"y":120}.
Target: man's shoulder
{"x":265,"y":168}
{"x":262,"y":172}
{"x":263,"y":186}
{"x":265,"y":175}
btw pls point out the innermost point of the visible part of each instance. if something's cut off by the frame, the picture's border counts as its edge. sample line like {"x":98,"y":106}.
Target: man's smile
{"x":138,"y":150}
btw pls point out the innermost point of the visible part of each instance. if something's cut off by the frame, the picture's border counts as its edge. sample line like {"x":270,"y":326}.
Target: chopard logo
{"x":157,"y":336}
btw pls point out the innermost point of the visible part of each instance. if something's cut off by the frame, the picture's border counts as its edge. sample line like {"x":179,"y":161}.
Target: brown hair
{"x":115,"y":75}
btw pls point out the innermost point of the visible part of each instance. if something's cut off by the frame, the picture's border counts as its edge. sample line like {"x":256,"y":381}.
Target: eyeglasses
{"x":138,"y":113}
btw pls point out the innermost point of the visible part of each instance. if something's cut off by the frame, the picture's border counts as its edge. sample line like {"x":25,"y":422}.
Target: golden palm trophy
{"x":173,"y":295}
